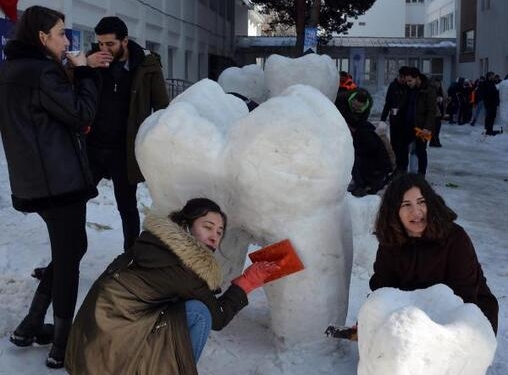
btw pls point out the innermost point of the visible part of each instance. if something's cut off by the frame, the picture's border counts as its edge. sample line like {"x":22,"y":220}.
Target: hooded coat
{"x":421,"y":263}
{"x":133,"y":319}
{"x":42,"y":119}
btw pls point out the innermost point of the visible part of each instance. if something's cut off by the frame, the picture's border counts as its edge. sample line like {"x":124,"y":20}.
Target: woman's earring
{"x":187,"y":229}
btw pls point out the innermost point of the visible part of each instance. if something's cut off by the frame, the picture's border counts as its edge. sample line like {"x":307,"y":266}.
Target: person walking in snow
{"x":43,"y":120}
{"x":420,"y":245}
{"x":152,"y":309}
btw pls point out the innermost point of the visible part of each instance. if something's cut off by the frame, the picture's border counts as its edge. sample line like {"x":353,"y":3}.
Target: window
{"x":414,"y":30}
{"x":468,"y":41}
{"x":447,"y":23}
{"x":370,"y":70}
{"x":201,"y":66}
{"x":361,"y":23}
{"x":392,"y":67}
{"x":434,"y":27}
{"x":170,"y":62}
{"x":414,"y":62}
{"x":188,"y":60}
{"x":414,"y":1}
{"x":484,"y":66}
{"x":342,"y":64}
{"x":433,"y":68}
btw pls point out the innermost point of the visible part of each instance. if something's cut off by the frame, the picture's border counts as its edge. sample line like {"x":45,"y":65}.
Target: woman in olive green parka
{"x":133,"y":320}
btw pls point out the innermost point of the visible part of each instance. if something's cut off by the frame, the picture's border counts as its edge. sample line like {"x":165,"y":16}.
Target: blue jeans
{"x":199,"y":321}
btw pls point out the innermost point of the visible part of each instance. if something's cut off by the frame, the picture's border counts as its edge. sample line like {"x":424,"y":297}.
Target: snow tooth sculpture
{"x":279,"y":172}
{"x":423,"y":332}
{"x":247,"y":81}
{"x":318,"y":71}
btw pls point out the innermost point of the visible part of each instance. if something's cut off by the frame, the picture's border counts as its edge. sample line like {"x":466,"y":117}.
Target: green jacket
{"x":148,"y":93}
{"x":133,"y":319}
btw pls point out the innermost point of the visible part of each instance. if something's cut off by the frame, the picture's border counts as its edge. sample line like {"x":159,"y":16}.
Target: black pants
{"x":111,"y":163}
{"x":402,"y":155}
{"x":67,"y":235}
{"x":490,"y":117}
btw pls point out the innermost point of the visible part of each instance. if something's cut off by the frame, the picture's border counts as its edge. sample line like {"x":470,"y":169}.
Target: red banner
{"x":9,"y":7}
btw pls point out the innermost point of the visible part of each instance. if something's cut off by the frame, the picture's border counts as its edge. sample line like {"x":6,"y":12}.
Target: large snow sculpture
{"x":423,"y":332}
{"x":279,"y":172}
{"x":502,"y":117}
{"x":247,"y":81}
{"x":318,"y":71}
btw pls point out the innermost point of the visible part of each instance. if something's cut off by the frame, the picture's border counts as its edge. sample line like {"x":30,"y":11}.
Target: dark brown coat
{"x":133,"y":319}
{"x":148,"y":93}
{"x":421,"y":263}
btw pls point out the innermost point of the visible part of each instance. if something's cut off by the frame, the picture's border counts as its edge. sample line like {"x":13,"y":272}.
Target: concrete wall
{"x":492,"y":37}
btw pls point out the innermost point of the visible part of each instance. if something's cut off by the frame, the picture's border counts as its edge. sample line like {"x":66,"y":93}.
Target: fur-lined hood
{"x":191,"y":252}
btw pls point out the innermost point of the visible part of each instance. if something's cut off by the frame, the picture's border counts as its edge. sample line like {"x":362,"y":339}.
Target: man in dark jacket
{"x":133,"y":87}
{"x":394,"y":95}
{"x":417,"y":111}
{"x":490,"y":102}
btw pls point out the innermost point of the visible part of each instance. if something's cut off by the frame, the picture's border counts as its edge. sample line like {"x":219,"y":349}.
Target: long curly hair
{"x":389,"y":229}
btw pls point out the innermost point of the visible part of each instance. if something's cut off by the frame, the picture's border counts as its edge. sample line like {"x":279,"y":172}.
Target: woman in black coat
{"x":43,"y":118}
{"x":420,"y":246}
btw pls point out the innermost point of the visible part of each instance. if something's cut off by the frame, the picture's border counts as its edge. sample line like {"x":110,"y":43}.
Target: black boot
{"x":32,"y":326}
{"x":57,"y":353}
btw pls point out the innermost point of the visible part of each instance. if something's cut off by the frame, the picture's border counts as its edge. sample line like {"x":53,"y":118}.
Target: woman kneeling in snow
{"x":420,"y":246}
{"x":151,"y":311}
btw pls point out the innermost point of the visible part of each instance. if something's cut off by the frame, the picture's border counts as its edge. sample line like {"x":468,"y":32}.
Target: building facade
{"x":195,"y":38}
{"x":482,"y":43}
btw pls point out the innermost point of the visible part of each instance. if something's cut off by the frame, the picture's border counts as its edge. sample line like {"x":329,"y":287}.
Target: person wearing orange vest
{"x":346,"y":82}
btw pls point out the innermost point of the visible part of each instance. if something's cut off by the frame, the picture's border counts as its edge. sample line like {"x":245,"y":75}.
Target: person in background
{"x":43,"y":120}
{"x":479,"y":93}
{"x":346,"y":82}
{"x":417,"y":114}
{"x":372,"y":166}
{"x":152,"y":309}
{"x":133,"y":87}
{"x":420,"y":245}
{"x":490,"y":102}
{"x":394,"y":96}
{"x":354,"y":106}
{"x":436,"y":83}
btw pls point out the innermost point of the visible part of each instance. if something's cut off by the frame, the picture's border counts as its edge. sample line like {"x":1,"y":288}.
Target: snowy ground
{"x":470,"y":171}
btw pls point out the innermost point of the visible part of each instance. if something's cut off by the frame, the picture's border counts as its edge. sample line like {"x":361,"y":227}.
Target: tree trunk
{"x":300,"y":27}
{"x":314,"y":13}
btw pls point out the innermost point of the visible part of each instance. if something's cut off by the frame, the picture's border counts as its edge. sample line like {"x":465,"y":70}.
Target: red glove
{"x":254,"y":276}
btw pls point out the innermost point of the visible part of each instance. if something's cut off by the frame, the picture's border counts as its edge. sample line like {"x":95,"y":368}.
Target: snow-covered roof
{"x":345,"y":41}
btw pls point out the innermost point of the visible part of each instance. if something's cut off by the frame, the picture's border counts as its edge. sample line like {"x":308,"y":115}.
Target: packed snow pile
{"x":247,"y":81}
{"x":279,"y":172}
{"x":318,"y":71}
{"x":423,"y":332}
{"x":502,"y":118}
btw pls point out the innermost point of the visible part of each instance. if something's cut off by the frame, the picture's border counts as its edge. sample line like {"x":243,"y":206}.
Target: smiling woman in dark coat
{"x":420,"y":246}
